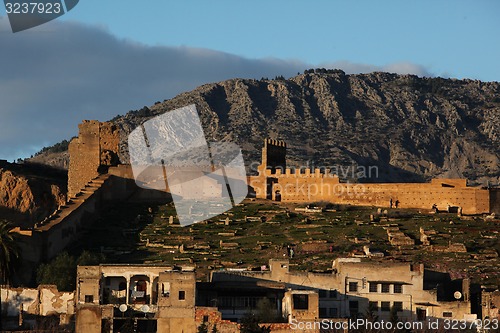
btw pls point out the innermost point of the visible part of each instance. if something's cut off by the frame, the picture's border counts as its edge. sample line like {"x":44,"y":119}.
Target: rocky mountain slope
{"x":409,"y":128}
{"x":29,"y":193}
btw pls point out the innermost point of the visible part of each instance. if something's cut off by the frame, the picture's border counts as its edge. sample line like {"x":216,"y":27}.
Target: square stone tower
{"x":95,"y":148}
{"x":273,"y":155}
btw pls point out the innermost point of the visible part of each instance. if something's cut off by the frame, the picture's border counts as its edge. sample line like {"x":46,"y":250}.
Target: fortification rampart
{"x":95,"y":147}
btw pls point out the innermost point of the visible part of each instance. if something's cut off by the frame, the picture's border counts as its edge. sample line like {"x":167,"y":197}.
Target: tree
{"x":371,"y":312}
{"x":9,"y":251}
{"x":61,"y":271}
{"x":394,"y":315}
{"x":266,"y":312}
{"x":250,"y":324}
{"x":90,"y":259}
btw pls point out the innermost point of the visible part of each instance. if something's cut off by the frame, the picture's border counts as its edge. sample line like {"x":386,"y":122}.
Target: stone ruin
{"x":95,"y":149}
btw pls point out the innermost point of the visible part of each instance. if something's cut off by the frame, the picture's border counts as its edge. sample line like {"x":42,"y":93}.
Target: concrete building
{"x":113,"y":298}
{"x":148,"y":298}
{"x":357,"y":288}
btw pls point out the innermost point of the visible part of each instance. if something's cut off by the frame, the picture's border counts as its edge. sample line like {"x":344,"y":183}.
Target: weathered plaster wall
{"x":42,"y":301}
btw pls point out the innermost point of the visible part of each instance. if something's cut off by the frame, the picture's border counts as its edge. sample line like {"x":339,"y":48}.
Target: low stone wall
{"x":43,"y":301}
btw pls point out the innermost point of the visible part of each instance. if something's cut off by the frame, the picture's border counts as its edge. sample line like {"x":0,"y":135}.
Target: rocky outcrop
{"x":27,"y":197}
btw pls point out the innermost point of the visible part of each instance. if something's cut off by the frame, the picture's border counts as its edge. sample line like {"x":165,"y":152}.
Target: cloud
{"x":58,"y":74}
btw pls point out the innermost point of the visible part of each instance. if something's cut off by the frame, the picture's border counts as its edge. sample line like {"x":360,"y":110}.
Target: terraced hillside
{"x":255,"y":231}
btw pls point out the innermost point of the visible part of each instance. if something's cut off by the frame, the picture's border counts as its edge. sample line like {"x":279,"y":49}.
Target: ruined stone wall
{"x":88,"y":319}
{"x":414,"y":195}
{"x":84,"y":157}
{"x":490,"y":303}
{"x":289,"y":185}
{"x":307,"y":186}
{"x":96,"y":146}
{"x":214,"y":318}
{"x":42,"y":301}
{"x":273,"y":155}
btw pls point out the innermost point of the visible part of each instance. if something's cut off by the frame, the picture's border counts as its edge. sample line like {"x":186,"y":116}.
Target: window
{"x":322,"y":312}
{"x":398,"y":306}
{"x":334,"y":312}
{"x":300,"y":302}
{"x":165,"y":289}
{"x":421,"y":314}
{"x":333,"y":293}
{"x":447,"y":314}
{"x":398,"y":288}
{"x":89,"y":298}
{"x":205,"y":319}
{"x":353,"y":287}
{"x":373,"y":287}
{"x":182,"y":295}
{"x":373,"y":306}
{"x":385,"y":287}
{"x":323,"y":293}
{"x":385,"y":306}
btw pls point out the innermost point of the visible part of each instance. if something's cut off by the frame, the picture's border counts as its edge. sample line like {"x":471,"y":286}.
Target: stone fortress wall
{"x":276,"y":181}
{"x":94,"y":177}
{"x":95,"y":147}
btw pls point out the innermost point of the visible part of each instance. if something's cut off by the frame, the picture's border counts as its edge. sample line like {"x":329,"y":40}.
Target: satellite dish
{"x":145,"y":308}
{"x":123,"y":307}
{"x":457,"y":295}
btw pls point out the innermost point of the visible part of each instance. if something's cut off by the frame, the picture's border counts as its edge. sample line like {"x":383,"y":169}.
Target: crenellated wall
{"x":292,"y":185}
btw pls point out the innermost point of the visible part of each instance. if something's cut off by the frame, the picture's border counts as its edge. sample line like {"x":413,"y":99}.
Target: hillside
{"x":30,"y":192}
{"x":411,"y":128}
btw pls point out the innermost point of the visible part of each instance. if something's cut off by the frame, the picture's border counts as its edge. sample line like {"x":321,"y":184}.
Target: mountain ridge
{"x":410,"y":128}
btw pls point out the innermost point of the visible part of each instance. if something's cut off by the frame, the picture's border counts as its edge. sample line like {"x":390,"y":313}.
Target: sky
{"x":106,"y":57}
